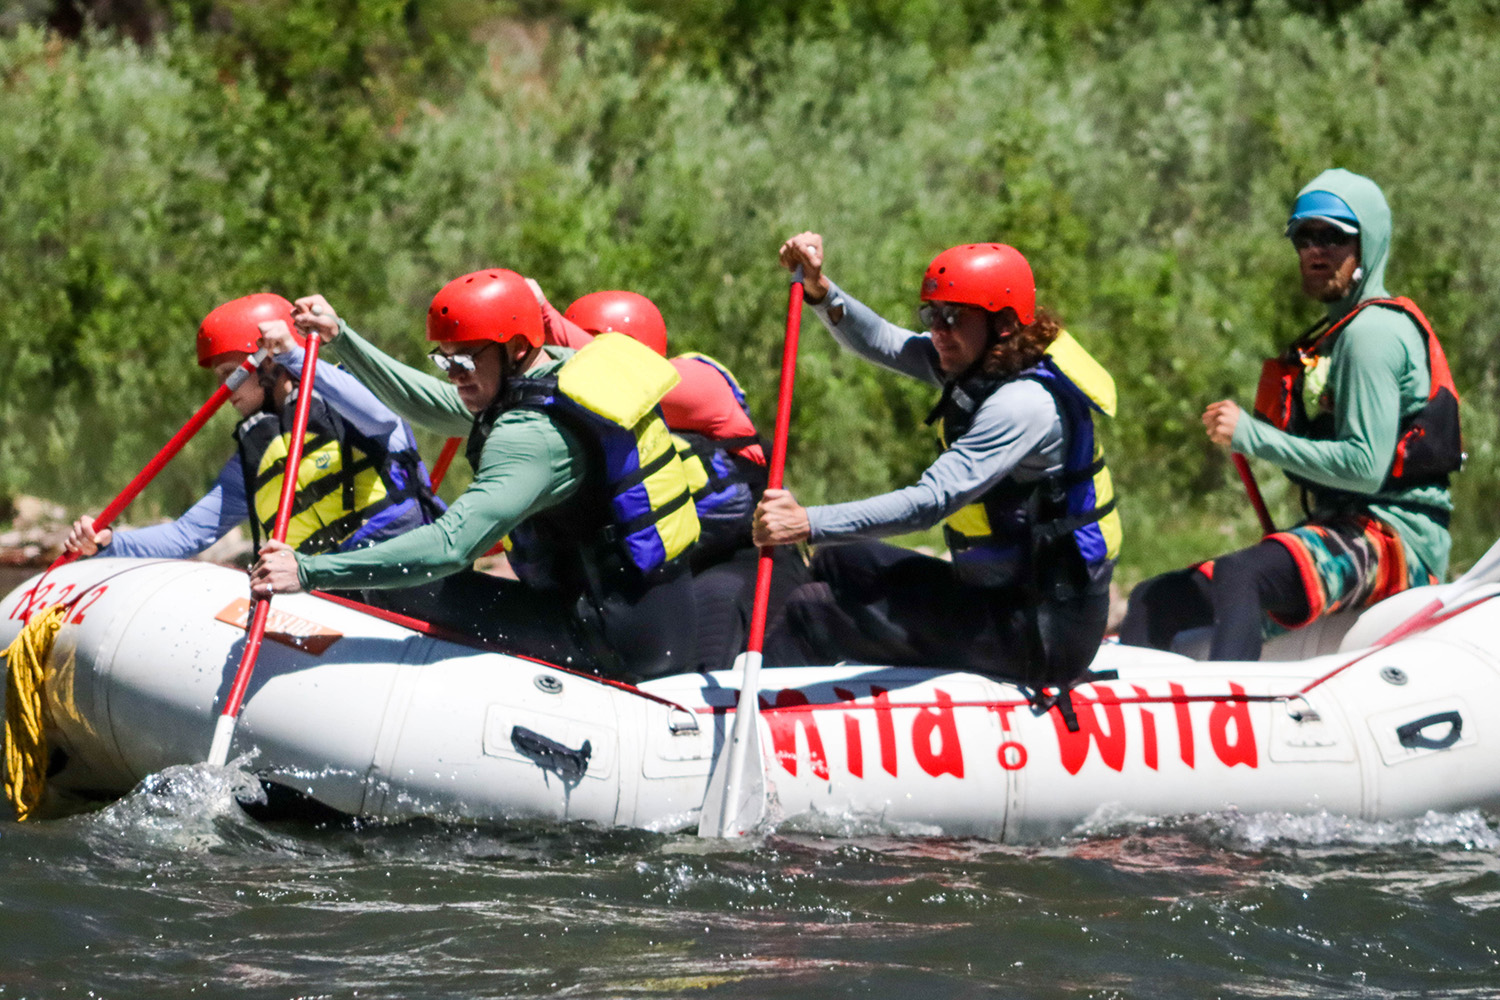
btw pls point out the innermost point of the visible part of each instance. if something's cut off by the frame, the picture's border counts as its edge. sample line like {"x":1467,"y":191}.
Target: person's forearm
{"x":202,"y":524}
{"x":1353,"y":464}
{"x":869,"y":335}
{"x":349,"y":398}
{"x":526,"y":467}
{"x":914,"y":508}
{"x":424,"y":400}
{"x":419,"y":556}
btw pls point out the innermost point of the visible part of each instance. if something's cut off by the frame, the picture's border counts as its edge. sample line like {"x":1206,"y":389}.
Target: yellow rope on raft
{"x":25,"y":731}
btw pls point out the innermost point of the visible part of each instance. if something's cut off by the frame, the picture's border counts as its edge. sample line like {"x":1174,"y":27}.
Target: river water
{"x":175,"y":892}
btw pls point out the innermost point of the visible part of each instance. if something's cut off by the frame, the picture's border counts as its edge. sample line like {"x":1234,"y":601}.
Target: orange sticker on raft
{"x":283,"y":627}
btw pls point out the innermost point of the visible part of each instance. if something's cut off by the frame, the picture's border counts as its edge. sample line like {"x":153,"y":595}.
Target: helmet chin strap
{"x":510,"y":367}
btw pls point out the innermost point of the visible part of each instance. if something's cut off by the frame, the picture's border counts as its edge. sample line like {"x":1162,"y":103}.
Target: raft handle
{"x":683,"y":722}
{"x":568,"y":764}
{"x":1411,"y":736}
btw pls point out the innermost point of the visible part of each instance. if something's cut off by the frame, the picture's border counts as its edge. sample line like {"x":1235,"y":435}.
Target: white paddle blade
{"x":735,"y":803}
{"x":218,"y":751}
{"x":1486,"y":570}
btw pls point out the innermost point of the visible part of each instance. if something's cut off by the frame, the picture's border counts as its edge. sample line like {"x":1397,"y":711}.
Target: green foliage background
{"x":1141,"y":155}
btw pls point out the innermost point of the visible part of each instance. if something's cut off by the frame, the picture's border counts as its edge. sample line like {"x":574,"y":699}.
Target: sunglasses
{"x":944,"y":317}
{"x":1304,"y":239}
{"x":456,"y":362}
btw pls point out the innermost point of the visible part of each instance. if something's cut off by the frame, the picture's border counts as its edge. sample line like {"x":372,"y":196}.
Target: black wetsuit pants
{"x":725,"y":594}
{"x":1245,"y":586}
{"x":875,"y":603}
{"x":627,"y":636}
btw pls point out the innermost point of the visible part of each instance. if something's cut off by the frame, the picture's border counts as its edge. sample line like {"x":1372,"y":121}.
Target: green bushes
{"x":1144,"y":161}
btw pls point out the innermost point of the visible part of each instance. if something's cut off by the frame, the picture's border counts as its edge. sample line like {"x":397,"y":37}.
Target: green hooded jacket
{"x":1377,"y":376}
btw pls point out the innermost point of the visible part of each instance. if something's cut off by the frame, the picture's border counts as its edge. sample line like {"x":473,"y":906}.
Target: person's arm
{"x":351,"y":400}
{"x":852,"y":323}
{"x":704,"y":403}
{"x":1368,"y":363}
{"x":421,"y":398}
{"x":1016,"y":430}
{"x":529,"y":464}
{"x":558,"y":329}
{"x":204,"y":523}
{"x":857,"y":327}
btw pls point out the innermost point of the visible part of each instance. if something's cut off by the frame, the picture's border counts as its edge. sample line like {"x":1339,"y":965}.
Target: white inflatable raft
{"x":376,"y":719}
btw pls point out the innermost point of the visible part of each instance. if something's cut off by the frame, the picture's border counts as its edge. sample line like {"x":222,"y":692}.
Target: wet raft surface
{"x":175,"y":890}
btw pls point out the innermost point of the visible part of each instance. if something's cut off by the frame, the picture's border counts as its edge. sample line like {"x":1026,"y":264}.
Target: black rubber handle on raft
{"x":1411,"y":736}
{"x":568,"y":764}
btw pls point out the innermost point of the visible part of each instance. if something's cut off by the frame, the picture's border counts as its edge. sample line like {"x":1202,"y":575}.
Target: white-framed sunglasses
{"x":460,"y":361}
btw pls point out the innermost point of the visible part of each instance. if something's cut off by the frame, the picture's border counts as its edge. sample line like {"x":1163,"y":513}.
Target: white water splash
{"x":192,"y":808}
{"x":1469,"y":829}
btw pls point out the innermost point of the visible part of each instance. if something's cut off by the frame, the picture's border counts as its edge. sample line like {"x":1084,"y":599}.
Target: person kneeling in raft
{"x":361,"y":480}
{"x":1027,"y":504}
{"x":571,"y":459}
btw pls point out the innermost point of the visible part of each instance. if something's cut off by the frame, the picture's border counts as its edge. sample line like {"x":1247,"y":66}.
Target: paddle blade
{"x":735,"y":803}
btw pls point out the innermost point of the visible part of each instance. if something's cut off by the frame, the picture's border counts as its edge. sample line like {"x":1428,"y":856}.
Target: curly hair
{"x":1023,"y":346}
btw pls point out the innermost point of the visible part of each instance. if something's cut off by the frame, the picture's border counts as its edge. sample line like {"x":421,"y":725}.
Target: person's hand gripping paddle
{"x":218,"y":753}
{"x":735,"y":802}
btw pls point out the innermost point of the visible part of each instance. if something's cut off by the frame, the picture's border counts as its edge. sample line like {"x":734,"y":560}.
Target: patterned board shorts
{"x":1351,"y":561}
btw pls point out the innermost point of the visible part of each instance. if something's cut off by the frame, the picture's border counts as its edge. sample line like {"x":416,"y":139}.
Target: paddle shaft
{"x":1252,"y":490}
{"x":777,"y":469}
{"x":169,"y":450}
{"x":262,"y":606}
{"x":445,"y":459}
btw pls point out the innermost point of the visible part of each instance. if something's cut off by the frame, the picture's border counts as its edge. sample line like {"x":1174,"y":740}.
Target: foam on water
{"x":190,"y":808}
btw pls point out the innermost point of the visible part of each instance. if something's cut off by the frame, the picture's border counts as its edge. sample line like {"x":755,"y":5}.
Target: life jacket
{"x":1429,"y":444}
{"x":633,"y":516}
{"x":351,"y":489}
{"x":1044,"y":535}
{"x":725,"y":484}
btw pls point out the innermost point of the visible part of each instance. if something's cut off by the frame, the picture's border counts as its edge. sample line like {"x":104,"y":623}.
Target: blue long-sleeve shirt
{"x":225,"y":505}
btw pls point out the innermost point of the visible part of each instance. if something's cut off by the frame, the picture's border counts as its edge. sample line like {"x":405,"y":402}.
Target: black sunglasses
{"x":1304,"y":239}
{"x":459,"y":362}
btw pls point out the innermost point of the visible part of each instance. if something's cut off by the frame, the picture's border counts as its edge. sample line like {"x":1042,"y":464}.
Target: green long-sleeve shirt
{"x":1377,"y":374}
{"x":529,"y":463}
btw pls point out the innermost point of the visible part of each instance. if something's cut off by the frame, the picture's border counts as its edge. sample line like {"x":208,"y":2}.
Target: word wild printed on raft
{"x":940,"y":745}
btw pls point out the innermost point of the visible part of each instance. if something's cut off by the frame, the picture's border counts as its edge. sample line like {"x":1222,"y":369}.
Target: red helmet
{"x":988,"y":275}
{"x":621,"y":312}
{"x":493,"y":305}
{"x":235,"y":325}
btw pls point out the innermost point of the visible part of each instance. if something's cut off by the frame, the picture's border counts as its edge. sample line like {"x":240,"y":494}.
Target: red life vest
{"x":1429,"y":445}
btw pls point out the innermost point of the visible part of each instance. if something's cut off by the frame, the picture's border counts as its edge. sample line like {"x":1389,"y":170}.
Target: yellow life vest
{"x":351,"y":490}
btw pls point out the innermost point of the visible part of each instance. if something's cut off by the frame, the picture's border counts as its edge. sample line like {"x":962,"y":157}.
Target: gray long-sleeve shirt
{"x":1016,"y":432}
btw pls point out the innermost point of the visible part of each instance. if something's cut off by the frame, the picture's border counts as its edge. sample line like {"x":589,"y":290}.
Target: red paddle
{"x":218,"y":753}
{"x":736,"y":799}
{"x":1252,"y":490}
{"x":168,"y":452}
{"x":170,"y":449}
{"x":445,"y":459}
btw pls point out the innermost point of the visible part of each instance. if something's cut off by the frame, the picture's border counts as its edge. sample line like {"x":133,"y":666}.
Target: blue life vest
{"x":726,"y":486}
